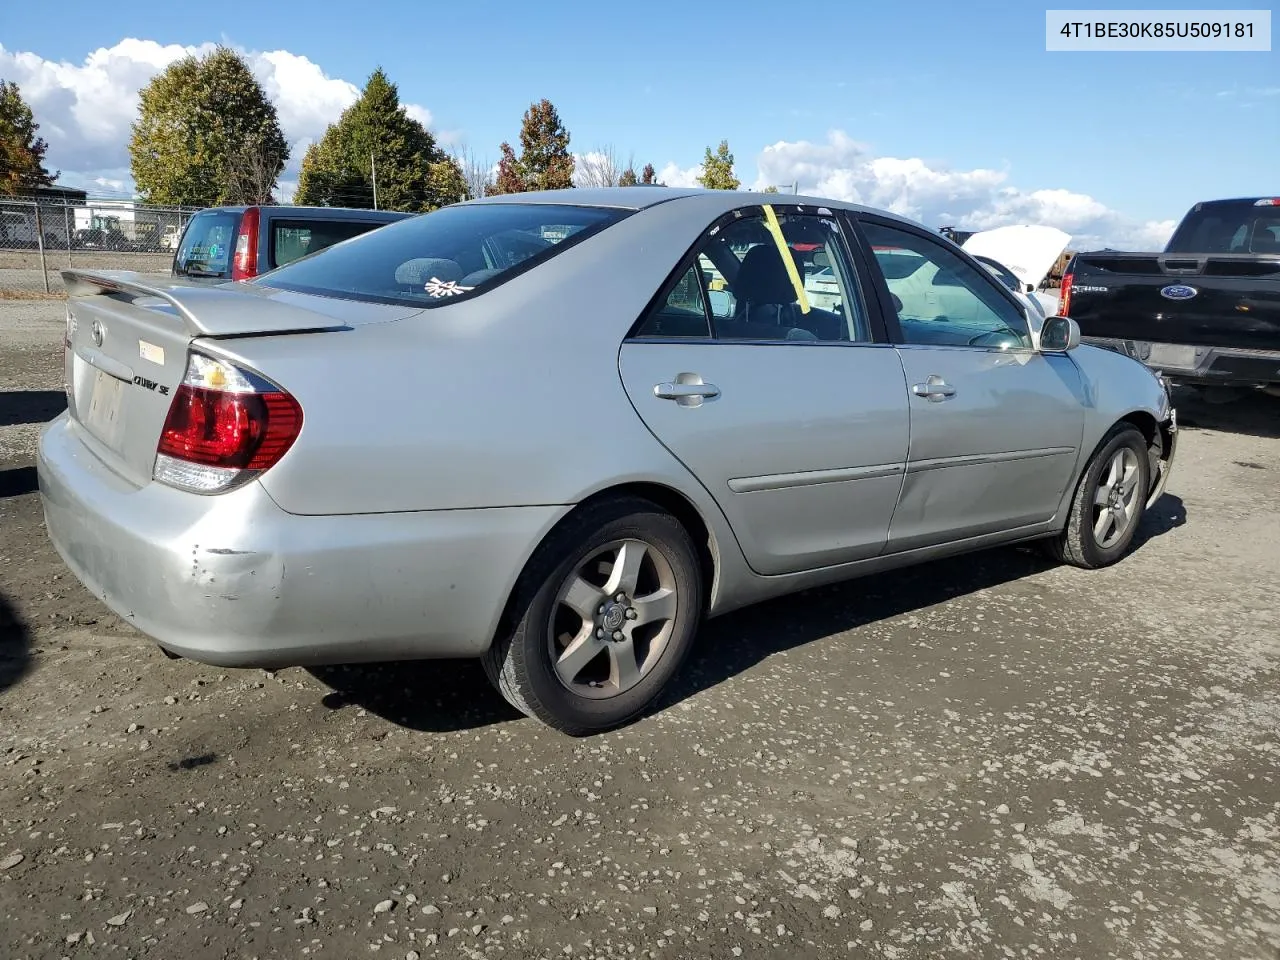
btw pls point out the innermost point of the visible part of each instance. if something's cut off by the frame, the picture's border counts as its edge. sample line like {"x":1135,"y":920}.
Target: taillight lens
{"x":1064,"y":296}
{"x":245,"y":264}
{"x":226,"y":425}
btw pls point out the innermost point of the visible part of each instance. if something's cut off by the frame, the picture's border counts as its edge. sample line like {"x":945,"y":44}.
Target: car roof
{"x":285,"y":209}
{"x":643,"y":196}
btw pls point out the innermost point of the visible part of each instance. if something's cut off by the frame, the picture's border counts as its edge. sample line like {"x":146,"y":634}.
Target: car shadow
{"x":1252,"y":414}
{"x":1166,"y":514}
{"x":430,"y":696}
{"x":16,"y":481}
{"x":441,"y":696}
{"x":19,"y":407}
{"x":15,"y":646}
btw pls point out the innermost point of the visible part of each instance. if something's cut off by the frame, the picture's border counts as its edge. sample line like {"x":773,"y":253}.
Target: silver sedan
{"x":558,"y":430}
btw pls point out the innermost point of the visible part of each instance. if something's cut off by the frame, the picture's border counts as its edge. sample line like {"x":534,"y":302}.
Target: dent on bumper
{"x":234,"y":580}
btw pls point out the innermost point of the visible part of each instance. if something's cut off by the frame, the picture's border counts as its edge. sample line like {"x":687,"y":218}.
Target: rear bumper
{"x":234,"y":580}
{"x":1224,"y":366}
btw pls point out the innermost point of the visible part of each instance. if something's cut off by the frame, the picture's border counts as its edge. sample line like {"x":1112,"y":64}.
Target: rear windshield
{"x":293,"y":239}
{"x":441,"y":256}
{"x":207,"y":245}
{"x":1239,"y":227}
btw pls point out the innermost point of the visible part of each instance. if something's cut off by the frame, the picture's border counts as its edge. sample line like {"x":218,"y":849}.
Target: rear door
{"x":996,"y":425}
{"x":795,"y":423}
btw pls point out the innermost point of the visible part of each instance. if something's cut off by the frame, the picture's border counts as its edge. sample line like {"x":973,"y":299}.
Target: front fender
{"x":1116,"y":387}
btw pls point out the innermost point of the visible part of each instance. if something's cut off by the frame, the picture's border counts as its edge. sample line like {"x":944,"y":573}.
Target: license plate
{"x":102,"y":416}
{"x":1169,"y":355}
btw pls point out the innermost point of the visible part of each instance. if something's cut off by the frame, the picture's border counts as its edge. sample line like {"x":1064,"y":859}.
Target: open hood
{"x":1028,"y":251}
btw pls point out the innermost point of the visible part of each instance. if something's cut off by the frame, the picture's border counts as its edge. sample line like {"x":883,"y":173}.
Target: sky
{"x":950,"y":113}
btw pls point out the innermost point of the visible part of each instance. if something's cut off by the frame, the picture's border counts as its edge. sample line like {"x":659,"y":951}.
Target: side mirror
{"x":1059,"y":334}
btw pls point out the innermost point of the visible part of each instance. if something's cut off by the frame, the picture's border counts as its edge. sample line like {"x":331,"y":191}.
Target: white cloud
{"x":844,"y":169}
{"x":673,"y":176}
{"x":85,"y":110}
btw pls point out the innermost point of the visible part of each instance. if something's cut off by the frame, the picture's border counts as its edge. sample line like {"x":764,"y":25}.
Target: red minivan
{"x":221,"y":244}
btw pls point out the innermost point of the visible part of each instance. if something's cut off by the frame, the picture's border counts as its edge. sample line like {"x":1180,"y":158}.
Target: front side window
{"x":757,"y":278}
{"x":942,"y":300}
{"x":439,"y":257}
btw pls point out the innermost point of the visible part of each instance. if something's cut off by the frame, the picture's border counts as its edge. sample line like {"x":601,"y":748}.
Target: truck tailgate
{"x":1218,"y":300}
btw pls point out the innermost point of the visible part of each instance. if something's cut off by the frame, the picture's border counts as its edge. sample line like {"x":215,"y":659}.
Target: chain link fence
{"x":40,"y":238}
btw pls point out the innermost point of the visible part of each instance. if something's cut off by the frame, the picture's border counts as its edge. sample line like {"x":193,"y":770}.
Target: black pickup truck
{"x":1204,"y":312}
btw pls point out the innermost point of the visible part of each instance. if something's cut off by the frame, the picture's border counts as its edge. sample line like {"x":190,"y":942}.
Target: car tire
{"x":553,"y":663}
{"x":1115,"y":484}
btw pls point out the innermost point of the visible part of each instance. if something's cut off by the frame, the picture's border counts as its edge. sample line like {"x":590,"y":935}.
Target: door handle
{"x":687,"y":389}
{"x":935,"y":389}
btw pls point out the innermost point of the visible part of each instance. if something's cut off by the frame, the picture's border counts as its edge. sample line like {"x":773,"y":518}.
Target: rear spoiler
{"x":205,"y":311}
{"x":91,"y":283}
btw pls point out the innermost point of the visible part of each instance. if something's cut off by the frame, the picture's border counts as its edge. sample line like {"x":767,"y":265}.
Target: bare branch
{"x":599,"y":168}
{"x":251,"y":173}
{"x":478,"y":174}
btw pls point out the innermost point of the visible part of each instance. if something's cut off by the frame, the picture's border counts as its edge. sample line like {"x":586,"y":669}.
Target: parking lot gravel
{"x":982,"y":757}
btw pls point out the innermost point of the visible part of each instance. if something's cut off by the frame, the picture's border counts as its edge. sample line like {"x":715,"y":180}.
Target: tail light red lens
{"x":245,"y":264}
{"x":1064,"y":296}
{"x":240,"y":431}
{"x":225,"y":426}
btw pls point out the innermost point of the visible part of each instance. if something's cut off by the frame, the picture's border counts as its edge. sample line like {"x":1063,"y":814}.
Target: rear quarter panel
{"x":513,"y":398}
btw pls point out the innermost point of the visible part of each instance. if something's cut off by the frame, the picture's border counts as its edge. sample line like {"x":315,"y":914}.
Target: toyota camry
{"x":557,"y":431}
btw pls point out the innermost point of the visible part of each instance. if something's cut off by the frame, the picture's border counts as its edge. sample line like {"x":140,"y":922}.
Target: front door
{"x":996,"y":425}
{"x":788,"y":413}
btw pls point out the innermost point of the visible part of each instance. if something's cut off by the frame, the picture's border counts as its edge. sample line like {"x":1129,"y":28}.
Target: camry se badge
{"x":1178,"y":291}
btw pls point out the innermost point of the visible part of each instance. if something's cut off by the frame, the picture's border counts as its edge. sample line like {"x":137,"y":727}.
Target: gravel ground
{"x":987,"y":757}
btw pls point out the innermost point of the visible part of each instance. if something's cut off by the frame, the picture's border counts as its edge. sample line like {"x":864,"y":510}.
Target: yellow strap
{"x":788,"y":261}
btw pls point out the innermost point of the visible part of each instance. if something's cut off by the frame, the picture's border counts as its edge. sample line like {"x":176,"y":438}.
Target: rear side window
{"x":441,"y":256}
{"x":293,"y":239}
{"x":1228,"y":228}
{"x":208,"y":244}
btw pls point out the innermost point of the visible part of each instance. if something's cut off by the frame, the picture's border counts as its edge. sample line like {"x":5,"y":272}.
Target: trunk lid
{"x":127,"y":342}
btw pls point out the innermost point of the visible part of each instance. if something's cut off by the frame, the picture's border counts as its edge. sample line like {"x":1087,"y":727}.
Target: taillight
{"x":245,"y":264}
{"x":226,"y":425}
{"x":1064,"y":295}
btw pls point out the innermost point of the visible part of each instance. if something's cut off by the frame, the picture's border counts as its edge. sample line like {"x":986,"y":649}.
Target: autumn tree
{"x":648,"y":175}
{"x":22,"y":153}
{"x":202,"y":123}
{"x":375,"y":143}
{"x":717,"y":169}
{"x":628,"y":178}
{"x":545,"y":162}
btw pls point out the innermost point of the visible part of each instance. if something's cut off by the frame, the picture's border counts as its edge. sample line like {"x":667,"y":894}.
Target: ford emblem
{"x":1178,"y":291}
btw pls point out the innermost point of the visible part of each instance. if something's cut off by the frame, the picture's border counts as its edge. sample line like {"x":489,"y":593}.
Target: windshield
{"x":438,"y":257}
{"x":207,"y":245}
{"x":1239,"y":226}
